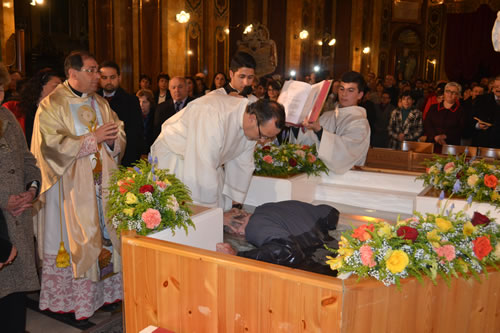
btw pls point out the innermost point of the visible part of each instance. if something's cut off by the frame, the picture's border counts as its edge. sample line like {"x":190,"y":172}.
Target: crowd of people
{"x":82,"y":125}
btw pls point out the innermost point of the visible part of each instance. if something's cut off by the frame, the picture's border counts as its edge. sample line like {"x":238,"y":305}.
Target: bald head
{"x":178,"y":88}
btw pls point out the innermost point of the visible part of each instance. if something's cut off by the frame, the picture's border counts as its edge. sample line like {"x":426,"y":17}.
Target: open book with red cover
{"x":301,"y":99}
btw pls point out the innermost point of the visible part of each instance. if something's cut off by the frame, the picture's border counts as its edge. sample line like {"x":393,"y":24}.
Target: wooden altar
{"x":185,"y":289}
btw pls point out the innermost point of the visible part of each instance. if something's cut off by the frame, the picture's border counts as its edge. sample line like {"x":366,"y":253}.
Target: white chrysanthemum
{"x":173,"y":204}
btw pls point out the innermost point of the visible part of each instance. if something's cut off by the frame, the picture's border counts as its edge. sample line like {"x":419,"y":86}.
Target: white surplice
{"x":206,"y":148}
{"x":251,"y":98}
{"x":345,"y":139}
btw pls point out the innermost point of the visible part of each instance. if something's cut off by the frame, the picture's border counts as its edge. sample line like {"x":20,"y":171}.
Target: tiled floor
{"x":37,"y":322}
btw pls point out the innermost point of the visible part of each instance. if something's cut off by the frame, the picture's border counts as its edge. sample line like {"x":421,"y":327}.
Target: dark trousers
{"x":13,"y":313}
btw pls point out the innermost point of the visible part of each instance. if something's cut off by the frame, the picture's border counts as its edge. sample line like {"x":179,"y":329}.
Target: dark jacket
{"x":128,"y":109}
{"x":5,"y":244}
{"x":164,"y":111}
{"x":440,"y":120}
{"x":487,"y":109}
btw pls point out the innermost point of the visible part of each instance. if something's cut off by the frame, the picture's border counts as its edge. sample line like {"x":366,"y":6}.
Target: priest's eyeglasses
{"x":91,"y":70}
{"x":261,"y":137}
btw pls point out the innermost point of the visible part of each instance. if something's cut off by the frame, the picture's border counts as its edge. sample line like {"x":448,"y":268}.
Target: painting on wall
{"x":407,"y":11}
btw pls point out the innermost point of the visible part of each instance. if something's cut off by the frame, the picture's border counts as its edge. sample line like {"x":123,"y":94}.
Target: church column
{"x":7,"y":30}
{"x":293,"y":42}
{"x":356,"y":46}
{"x":174,"y":36}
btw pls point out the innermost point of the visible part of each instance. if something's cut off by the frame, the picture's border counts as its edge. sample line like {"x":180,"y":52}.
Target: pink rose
{"x":367,"y":256}
{"x":449,"y":167}
{"x":152,"y":218}
{"x":446,"y":251}
{"x":311,"y":158}
{"x":268,"y":159}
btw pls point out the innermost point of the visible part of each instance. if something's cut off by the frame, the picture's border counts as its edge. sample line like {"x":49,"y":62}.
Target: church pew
{"x":185,"y":289}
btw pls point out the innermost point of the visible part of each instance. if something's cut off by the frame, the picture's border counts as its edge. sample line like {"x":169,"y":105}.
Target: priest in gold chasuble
{"x":77,"y":141}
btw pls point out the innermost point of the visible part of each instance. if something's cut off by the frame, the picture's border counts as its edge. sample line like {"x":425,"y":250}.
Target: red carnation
{"x":479,"y":218}
{"x":266,"y":148}
{"x":292,"y":162}
{"x":305,"y":147}
{"x":482,"y":247}
{"x":147,"y":188}
{"x":407,"y":233}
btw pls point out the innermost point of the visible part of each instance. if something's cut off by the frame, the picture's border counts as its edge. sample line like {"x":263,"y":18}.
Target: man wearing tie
{"x":126,"y":107}
{"x":178,"y":89}
{"x":487,"y":118}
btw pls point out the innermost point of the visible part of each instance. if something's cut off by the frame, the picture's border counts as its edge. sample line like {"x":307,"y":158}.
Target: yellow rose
{"x":436,"y":181}
{"x":471,"y":170}
{"x":463,"y":265}
{"x":335,"y":263}
{"x":469,"y":229}
{"x":384,"y":230}
{"x":130,"y":198}
{"x":472,"y":180}
{"x":433,"y":237}
{"x":345,"y":251}
{"x":433,"y":169}
{"x":494,"y":196}
{"x":128,"y":211}
{"x":397,"y":261}
{"x":443,"y":225}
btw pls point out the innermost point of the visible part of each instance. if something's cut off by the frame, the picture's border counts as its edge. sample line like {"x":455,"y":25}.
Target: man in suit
{"x":178,"y":90}
{"x":487,"y":109}
{"x":126,"y":107}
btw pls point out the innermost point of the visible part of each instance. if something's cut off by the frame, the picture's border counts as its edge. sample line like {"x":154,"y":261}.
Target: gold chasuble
{"x":60,"y":133}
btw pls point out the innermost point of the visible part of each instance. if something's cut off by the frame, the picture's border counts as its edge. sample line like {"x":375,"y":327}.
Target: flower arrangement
{"x":287,"y":159}
{"x":431,"y":245}
{"x":473,"y":179}
{"x":146,"y":199}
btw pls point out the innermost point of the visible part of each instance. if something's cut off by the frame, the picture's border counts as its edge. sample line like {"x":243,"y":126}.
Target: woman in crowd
{"x":219,"y":81}
{"x":405,"y":123}
{"x":147,"y":102}
{"x":273,"y":90}
{"x":144,"y":82}
{"x":191,"y":87}
{"x":20,"y":179}
{"x":445,"y":121}
{"x":201,"y":87}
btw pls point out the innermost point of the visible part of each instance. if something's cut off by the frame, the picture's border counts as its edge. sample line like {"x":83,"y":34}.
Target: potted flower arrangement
{"x":147,"y":200}
{"x":287,"y":160}
{"x":473,"y":179}
{"x":430,"y":245}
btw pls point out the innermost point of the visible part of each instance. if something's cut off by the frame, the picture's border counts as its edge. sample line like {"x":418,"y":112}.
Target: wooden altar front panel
{"x":184,"y":289}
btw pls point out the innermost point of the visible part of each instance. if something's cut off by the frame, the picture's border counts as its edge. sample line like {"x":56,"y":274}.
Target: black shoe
{"x":113,"y":307}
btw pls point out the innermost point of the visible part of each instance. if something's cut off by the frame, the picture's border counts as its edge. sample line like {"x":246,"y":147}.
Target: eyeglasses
{"x":262,"y":137}
{"x":91,"y":70}
{"x":451,"y":92}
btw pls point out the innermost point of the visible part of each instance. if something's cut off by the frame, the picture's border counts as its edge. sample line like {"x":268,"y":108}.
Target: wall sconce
{"x":293,"y":73}
{"x":320,"y":42}
{"x":226,"y":31}
{"x":248,"y":29}
{"x":189,"y":52}
{"x":36,"y":2}
{"x":316,"y":68}
{"x":182,"y":17}
{"x":366,"y":50}
{"x":304,"y":34}
{"x":332,"y":42}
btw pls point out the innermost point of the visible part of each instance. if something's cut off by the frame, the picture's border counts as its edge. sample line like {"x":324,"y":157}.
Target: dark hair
{"x":163,"y":76}
{"x":110,"y":64}
{"x":199,"y":79}
{"x":212,"y":87}
{"x":31,"y":91}
{"x":406,"y":93}
{"x":75,"y":60}
{"x":242,"y":59}
{"x":275,"y":84}
{"x":149,"y":95}
{"x":144,"y":76}
{"x":355,"y":77}
{"x":265,"y":110}
{"x":195,"y":87}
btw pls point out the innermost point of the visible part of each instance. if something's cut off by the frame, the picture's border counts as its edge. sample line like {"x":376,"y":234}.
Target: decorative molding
{"x":263,"y":49}
{"x":220,"y":8}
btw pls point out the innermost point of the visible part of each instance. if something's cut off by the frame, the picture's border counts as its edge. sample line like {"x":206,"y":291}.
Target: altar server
{"x":77,"y":141}
{"x":343,"y":135}
{"x":209,"y":145}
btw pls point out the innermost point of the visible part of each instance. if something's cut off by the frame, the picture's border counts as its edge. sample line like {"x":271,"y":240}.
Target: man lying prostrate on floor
{"x":285,"y":233}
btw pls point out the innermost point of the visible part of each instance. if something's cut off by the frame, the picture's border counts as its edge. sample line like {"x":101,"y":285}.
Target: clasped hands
{"x":18,"y":203}
{"x":107,"y":133}
{"x":440,"y":139}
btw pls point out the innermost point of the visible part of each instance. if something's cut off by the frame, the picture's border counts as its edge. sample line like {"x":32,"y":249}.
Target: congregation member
{"x":241,"y":75}
{"x":126,"y":107}
{"x":273,"y":90}
{"x":342,"y":135}
{"x":162,"y":94}
{"x":77,"y":141}
{"x":192,"y":90}
{"x":180,"y":99}
{"x":219,"y":81}
{"x":445,"y":121}
{"x":34,"y":90}
{"x":487,"y":110}
{"x":12,"y":93}
{"x":209,"y":145}
{"x":20,"y":179}
{"x":405,"y":123}
{"x":259,"y":87}
{"x":284,"y":233}
{"x":200,"y":86}
{"x":148,"y":107}
{"x":144,"y":82}
{"x":383,"y":112}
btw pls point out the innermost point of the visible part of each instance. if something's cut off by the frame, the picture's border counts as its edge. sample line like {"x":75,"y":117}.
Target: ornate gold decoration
{"x":257,"y":43}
